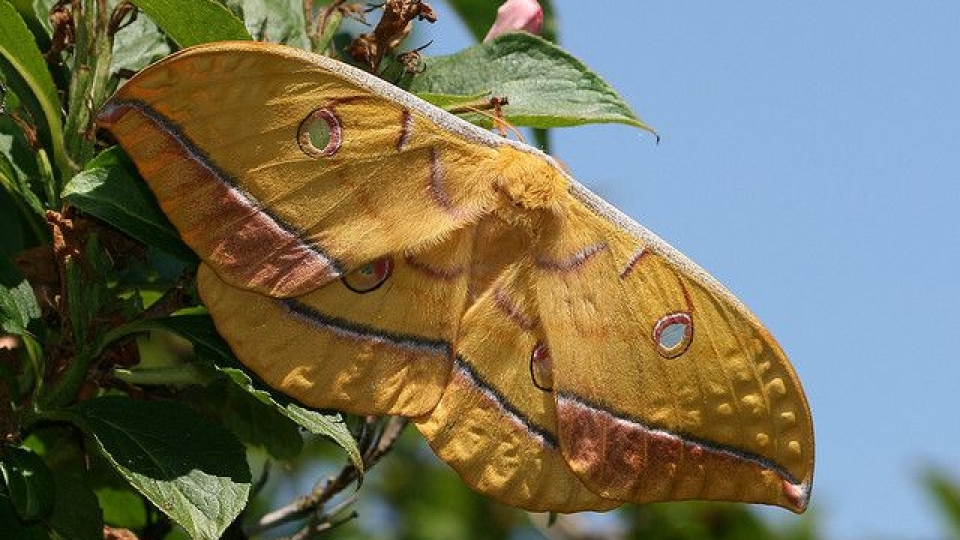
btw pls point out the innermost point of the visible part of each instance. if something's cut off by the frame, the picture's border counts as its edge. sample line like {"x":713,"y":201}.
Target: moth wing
{"x":285,"y":170}
{"x":667,"y":387}
{"x":657,"y":384}
{"x":376,"y":343}
{"x":491,"y":424}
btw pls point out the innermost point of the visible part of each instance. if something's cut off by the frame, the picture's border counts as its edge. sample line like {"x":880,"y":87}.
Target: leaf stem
{"x":65,"y":389}
{"x":31,"y":418}
{"x":91,"y":70}
{"x":184,"y":374}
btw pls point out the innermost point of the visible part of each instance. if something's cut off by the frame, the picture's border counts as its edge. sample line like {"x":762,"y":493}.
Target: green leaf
{"x":947,"y":496}
{"x":191,"y":469}
{"x":36,"y":13}
{"x":207,"y":344}
{"x":139,"y":44}
{"x":545,"y":86}
{"x":26,"y":72}
{"x":19,"y":203}
{"x":18,"y":307}
{"x":111,"y":189}
{"x":479,"y":16}
{"x":192,"y":22}
{"x":88,"y":474}
{"x":29,"y":482}
{"x":255,"y":422}
{"x":330,"y":426}
{"x":30,"y":357}
{"x":449,"y":101}
{"x":122,"y":507}
{"x":13,"y":527}
{"x":18,"y":163}
{"x":276,"y":21}
{"x":198,"y":328}
{"x":76,"y":512}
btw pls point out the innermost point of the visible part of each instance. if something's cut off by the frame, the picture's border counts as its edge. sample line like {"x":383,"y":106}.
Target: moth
{"x":365,"y":251}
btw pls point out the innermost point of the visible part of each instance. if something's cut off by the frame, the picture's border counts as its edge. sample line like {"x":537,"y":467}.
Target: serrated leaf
{"x":479,"y":16}
{"x":330,"y":426}
{"x":27,"y":74}
{"x":110,"y":188}
{"x":276,"y":21}
{"x":546,"y":86}
{"x":192,"y":22}
{"x":191,"y":469}
{"x":253,"y":421}
{"x":18,"y":306}
{"x":201,"y":331}
{"x":29,"y":482}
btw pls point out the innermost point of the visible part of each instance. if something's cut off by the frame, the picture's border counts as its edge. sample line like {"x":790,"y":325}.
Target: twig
{"x":374,"y":445}
{"x":315,"y":530}
{"x":327,"y":522}
{"x":394,"y":26}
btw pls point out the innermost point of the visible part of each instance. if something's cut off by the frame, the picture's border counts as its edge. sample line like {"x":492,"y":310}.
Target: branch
{"x":374,"y":447}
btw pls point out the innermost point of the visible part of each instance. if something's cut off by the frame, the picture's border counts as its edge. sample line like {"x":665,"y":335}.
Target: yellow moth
{"x":365,"y":251}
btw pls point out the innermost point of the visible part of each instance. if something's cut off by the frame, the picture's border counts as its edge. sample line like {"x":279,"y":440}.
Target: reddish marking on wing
{"x":797,"y":494}
{"x":625,"y":459}
{"x":370,"y":276}
{"x":334,"y":132}
{"x":678,"y":318}
{"x":433,"y":271}
{"x":242,"y":241}
{"x":574,"y":261}
{"x":633,"y":262}
{"x":541,"y":367}
{"x":346,"y":100}
{"x":437,"y":187}
{"x":254,"y":249}
{"x":406,"y":129}
{"x":506,"y":305}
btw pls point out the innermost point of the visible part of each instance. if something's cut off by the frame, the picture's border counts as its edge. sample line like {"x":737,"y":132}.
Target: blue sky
{"x":811,"y":161}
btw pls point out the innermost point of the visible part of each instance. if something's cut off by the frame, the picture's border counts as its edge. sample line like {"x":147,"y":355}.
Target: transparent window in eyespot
{"x":673,"y":335}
